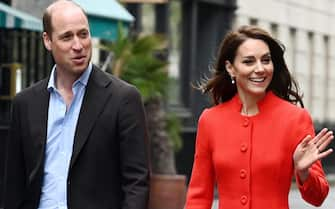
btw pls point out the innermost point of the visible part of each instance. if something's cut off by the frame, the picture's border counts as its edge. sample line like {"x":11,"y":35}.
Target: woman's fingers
{"x":325,"y":153}
{"x":322,"y":139}
{"x":325,"y":141}
{"x":321,"y":134}
{"x":306,"y":140}
{"x":311,"y":149}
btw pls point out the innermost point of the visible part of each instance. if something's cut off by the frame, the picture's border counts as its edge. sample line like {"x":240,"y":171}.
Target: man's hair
{"x":47,"y":15}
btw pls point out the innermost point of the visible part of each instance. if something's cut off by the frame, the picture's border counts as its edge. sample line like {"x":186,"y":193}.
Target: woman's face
{"x":252,"y":68}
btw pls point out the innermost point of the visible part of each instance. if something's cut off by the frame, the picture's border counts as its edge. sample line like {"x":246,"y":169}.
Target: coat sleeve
{"x":315,"y":188}
{"x":133,"y":151}
{"x":201,"y":186}
{"x":14,"y":182}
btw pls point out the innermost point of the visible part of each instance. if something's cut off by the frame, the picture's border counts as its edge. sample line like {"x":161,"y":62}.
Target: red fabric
{"x":250,"y":158}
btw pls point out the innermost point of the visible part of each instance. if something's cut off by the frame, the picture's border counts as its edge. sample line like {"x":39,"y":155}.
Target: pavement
{"x":296,"y":202}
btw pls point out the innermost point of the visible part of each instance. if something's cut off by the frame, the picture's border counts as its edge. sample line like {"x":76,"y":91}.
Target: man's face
{"x":70,"y":41}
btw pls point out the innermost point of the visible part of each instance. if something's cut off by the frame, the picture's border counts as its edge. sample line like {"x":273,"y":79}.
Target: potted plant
{"x":137,"y":60}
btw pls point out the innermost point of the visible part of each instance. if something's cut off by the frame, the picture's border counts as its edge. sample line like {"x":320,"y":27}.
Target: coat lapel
{"x":93,"y":103}
{"x":39,"y":125}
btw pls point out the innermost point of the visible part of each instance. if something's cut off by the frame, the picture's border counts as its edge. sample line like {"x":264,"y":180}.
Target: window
{"x":292,"y":48}
{"x":253,"y":21}
{"x":274,"y":30}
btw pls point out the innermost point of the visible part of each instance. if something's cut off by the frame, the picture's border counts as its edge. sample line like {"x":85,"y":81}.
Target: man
{"x":77,"y":139}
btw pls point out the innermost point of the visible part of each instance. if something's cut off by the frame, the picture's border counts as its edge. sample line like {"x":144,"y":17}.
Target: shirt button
{"x":244,"y":147}
{"x":68,"y":183}
{"x":243,"y":174}
{"x":244,"y":200}
{"x":246,"y":122}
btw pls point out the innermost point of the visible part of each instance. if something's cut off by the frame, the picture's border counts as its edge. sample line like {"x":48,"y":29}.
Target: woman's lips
{"x":257,"y":80}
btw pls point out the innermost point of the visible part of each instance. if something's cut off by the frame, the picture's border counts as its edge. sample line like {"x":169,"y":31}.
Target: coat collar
{"x":268,"y":100}
{"x":93,"y":104}
{"x":41,"y":104}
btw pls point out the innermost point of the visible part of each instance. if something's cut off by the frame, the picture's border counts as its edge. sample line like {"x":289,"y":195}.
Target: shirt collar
{"x":83,"y":79}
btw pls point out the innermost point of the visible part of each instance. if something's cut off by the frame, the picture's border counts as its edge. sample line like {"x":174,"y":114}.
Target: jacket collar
{"x":93,"y":104}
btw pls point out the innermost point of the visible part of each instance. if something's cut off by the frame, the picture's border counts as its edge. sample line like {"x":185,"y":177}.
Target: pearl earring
{"x":232,"y":80}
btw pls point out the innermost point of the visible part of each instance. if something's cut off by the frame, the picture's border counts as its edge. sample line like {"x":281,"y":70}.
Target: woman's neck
{"x":249,"y":110}
{"x":249,"y":104}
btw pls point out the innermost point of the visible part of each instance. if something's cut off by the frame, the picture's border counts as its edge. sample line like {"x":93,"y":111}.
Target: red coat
{"x":251,"y":157}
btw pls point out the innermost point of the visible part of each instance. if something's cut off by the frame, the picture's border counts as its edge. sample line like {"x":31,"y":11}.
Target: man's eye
{"x":66,"y":37}
{"x":83,"y":34}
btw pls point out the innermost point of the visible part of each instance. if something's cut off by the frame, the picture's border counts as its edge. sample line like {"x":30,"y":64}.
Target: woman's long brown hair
{"x":220,"y":86}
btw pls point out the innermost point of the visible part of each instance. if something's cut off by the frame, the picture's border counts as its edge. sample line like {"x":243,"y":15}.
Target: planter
{"x":167,"y":191}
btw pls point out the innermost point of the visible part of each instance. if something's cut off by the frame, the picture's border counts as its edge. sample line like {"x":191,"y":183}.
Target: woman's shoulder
{"x":217,"y":112}
{"x":218,"y":108}
{"x":288,"y":109}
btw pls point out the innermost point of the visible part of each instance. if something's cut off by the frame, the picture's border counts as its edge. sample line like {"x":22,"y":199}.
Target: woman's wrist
{"x":303,"y":175}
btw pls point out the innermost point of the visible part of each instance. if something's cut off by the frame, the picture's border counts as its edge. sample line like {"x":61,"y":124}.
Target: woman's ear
{"x":229,"y":68}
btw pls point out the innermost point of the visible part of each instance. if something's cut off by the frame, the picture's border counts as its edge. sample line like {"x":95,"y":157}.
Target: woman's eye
{"x":266,"y":61}
{"x":247,"y":62}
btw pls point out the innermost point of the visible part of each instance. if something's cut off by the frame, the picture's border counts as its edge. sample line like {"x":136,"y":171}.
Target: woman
{"x":255,"y":138}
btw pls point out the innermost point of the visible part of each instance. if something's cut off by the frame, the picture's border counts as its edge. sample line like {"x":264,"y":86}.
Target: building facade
{"x":306,"y":28}
{"x":33,"y":7}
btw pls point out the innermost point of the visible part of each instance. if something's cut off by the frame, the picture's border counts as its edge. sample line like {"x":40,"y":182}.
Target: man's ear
{"x":230,"y":68}
{"x":46,"y":41}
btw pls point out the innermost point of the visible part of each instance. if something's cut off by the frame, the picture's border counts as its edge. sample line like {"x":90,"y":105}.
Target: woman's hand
{"x":310,"y":150}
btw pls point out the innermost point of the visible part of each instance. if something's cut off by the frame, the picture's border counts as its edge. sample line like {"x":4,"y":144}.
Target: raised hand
{"x":309,"y":150}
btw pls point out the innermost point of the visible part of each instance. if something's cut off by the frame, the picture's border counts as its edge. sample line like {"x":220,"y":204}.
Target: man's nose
{"x":77,"y":45}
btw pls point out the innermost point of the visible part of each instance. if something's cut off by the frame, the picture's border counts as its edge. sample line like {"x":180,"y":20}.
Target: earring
{"x":232,"y":80}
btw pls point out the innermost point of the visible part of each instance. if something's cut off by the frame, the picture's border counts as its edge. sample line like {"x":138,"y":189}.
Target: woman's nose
{"x":259,"y":67}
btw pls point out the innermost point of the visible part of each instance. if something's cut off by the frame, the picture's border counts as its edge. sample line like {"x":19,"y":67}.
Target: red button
{"x":244,"y":200}
{"x":243,"y":174}
{"x":244,"y":147}
{"x":246,"y":122}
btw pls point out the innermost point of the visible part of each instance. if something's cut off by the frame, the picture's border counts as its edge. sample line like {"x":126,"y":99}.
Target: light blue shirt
{"x":60,"y":137}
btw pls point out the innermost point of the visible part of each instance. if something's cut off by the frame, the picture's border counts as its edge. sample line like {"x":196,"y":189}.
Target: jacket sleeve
{"x":315,"y":188}
{"x":14,"y":182}
{"x":201,"y":186}
{"x":133,"y":151}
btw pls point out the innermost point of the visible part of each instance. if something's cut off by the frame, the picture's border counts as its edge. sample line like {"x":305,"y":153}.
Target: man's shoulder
{"x":112,"y":81}
{"x":30,"y":91}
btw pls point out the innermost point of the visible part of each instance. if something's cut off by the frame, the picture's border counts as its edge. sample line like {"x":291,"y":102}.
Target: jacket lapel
{"x":39,"y":125}
{"x":93,"y":103}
